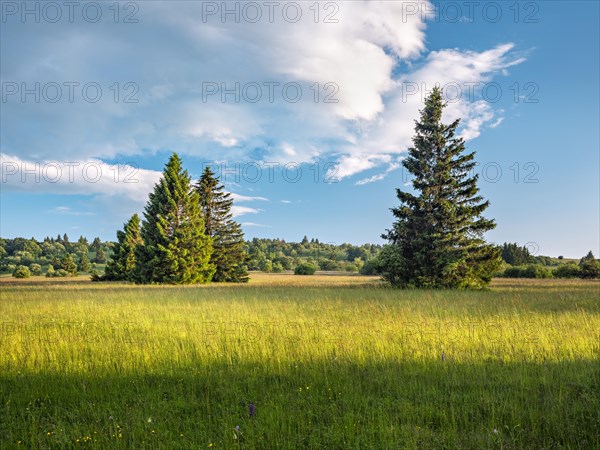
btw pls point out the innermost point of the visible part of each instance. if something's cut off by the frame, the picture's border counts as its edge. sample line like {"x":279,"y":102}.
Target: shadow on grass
{"x":325,"y":404}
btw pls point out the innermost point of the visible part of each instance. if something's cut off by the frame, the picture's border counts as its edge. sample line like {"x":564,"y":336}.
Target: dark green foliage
{"x":229,"y":255}
{"x":35,"y":269}
{"x":530,"y":271}
{"x":21,"y":272}
{"x":100,"y":256}
{"x":569,"y":270}
{"x":266,"y":265}
{"x":328,"y":264}
{"x":122,"y":265}
{"x":305,"y":269}
{"x":96,"y":244}
{"x":437,"y":238}
{"x":589,"y":266}
{"x":96,"y":276}
{"x":175,"y":248}
{"x":55,"y":263}
{"x":84,"y":263}
{"x":516,"y":256}
{"x":67,"y":263}
{"x":371,"y":267}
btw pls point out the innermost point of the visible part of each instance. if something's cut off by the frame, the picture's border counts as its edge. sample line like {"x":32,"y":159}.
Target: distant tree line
{"x":57,"y":257}
{"x":277,"y":255}
{"x":587,"y":267}
{"x":267,"y":255}
{"x":53,"y":257}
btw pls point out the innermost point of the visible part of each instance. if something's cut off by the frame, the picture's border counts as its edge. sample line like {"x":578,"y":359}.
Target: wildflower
{"x":495,"y":431}
{"x":443,"y":356}
{"x":149,"y":420}
{"x":251,"y":410}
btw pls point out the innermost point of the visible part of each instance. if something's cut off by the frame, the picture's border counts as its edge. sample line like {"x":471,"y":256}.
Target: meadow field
{"x":327,"y":361}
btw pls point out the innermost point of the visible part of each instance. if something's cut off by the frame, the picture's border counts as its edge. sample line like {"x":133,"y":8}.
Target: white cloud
{"x":237,"y":211}
{"x":379,"y":176}
{"x":252,"y":224}
{"x":497,"y":122}
{"x":392,"y":132}
{"x":82,"y":177}
{"x":245,"y":198}
{"x":68,"y":211}
{"x":370,"y":122}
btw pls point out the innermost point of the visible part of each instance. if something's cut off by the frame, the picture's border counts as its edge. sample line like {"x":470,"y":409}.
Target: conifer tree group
{"x":187,"y":236}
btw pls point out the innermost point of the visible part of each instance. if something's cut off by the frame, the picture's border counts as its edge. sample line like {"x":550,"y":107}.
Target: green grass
{"x":332,"y":362}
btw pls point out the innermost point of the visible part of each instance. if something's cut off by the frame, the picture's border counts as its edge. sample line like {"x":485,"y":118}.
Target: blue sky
{"x":95,"y":100}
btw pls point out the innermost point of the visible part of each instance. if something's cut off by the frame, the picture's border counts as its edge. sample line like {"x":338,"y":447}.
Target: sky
{"x":304,"y":109}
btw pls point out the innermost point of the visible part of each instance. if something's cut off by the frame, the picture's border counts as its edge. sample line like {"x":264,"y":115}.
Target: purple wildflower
{"x":443,"y":356}
{"x":251,"y":409}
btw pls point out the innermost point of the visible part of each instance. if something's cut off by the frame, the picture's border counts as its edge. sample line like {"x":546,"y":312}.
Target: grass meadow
{"x":329,"y":362}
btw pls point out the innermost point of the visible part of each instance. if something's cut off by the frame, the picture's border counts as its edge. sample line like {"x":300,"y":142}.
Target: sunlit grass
{"x":329,"y":362}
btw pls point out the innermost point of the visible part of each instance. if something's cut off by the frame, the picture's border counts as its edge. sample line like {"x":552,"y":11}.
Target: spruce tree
{"x":84,"y":263}
{"x":68,"y":263}
{"x":100,"y":256}
{"x":437,"y":237}
{"x":122,"y":265}
{"x":229,"y":255}
{"x":175,"y":247}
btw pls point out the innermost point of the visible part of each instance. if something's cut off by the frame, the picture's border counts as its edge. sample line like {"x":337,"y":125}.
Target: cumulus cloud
{"x":356,"y":74}
{"x":462,"y":75}
{"x":77,"y":177}
{"x":100,"y":180}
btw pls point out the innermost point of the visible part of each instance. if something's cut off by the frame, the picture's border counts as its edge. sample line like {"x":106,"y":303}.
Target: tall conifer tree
{"x":437,"y":238}
{"x":175,"y":248}
{"x":122,"y":265}
{"x":229,"y":255}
